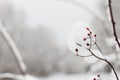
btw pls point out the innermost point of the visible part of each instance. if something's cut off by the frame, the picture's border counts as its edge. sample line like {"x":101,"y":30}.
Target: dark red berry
{"x":84,"y":39}
{"x":88,"y":34}
{"x":94,"y":79}
{"x":87,"y":44}
{"x":87,"y":28}
{"x":95,"y":35}
{"x":76,"y":50}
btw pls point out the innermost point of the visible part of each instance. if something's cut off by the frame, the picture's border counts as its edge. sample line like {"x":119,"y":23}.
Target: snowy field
{"x":87,"y":76}
{"x":80,"y":77}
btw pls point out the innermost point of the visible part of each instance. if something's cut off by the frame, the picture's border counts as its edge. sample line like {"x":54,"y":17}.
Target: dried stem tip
{"x":90,"y":32}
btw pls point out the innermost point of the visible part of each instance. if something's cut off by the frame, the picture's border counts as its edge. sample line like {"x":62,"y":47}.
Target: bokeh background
{"x":40,"y":29}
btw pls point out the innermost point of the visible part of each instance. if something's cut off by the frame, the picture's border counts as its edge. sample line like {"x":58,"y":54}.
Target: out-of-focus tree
{"x":37,"y":46}
{"x":8,"y":18}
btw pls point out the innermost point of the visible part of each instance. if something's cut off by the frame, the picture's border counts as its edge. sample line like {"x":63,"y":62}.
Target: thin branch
{"x":106,"y":62}
{"x":99,"y":48}
{"x":103,"y":59}
{"x":81,"y":55}
{"x":79,"y":44}
{"x":90,"y":42}
{"x":112,"y":68}
{"x":113,"y":22}
{"x":14,"y":50}
{"x":95,"y":55}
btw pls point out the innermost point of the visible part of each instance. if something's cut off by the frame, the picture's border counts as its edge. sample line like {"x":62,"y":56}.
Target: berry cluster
{"x":91,"y":37}
{"x":89,"y":40}
{"x":92,"y":40}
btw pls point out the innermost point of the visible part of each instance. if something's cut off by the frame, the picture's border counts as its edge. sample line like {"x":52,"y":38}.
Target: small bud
{"x":84,"y":39}
{"x":95,"y":35}
{"x":76,"y":50}
{"x":98,"y":75}
{"x":87,"y":28}
{"x":94,"y":79}
{"x":87,"y":44}
{"x":88,"y":34}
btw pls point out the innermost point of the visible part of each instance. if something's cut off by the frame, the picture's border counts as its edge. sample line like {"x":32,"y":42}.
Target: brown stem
{"x":107,"y":63}
{"x":99,"y":48}
{"x":103,"y":59}
{"x":113,"y":22}
{"x":112,"y":69}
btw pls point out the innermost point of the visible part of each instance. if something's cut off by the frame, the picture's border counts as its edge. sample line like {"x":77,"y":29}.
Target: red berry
{"x":88,"y":34}
{"x":76,"y":50}
{"x":94,"y":79}
{"x":87,"y":44}
{"x":84,"y":39}
{"x":95,"y":35}
{"x":87,"y":28}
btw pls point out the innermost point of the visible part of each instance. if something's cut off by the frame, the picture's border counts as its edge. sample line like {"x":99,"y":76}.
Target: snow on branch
{"x":17,"y":77}
{"x":13,"y":48}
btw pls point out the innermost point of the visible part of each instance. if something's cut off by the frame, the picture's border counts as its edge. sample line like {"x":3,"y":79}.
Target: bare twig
{"x":93,"y":54}
{"x":113,"y":22}
{"x":106,"y":62}
{"x":103,"y":59}
{"x":14,"y":50}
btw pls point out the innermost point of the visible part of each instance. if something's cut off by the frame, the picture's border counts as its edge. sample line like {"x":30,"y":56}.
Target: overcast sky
{"x":55,"y":14}
{"x":58,"y":15}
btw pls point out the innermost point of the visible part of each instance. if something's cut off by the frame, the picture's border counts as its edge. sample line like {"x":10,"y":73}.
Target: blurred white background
{"x":40,"y":29}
